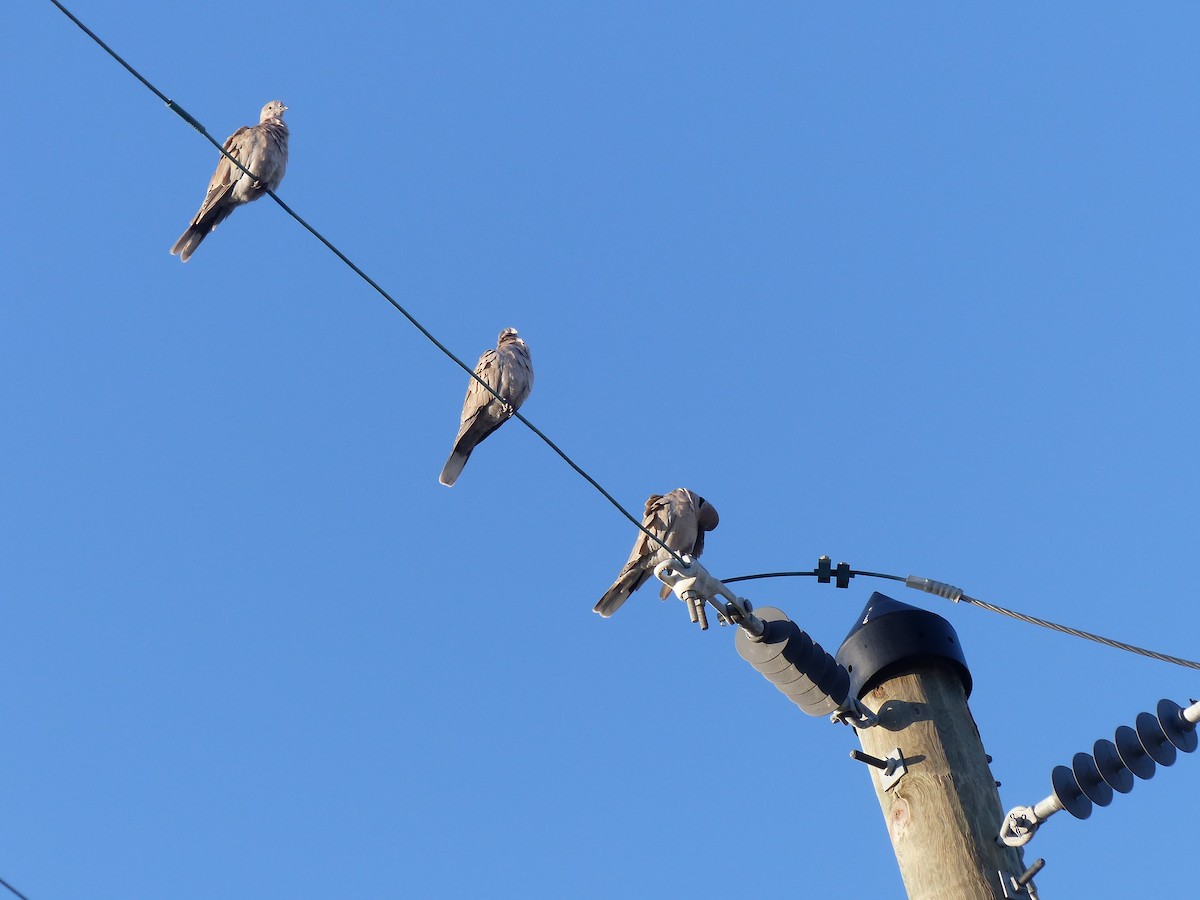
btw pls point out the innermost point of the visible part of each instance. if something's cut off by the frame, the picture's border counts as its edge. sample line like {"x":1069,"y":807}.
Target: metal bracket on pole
{"x":854,"y":714}
{"x":692,"y":584}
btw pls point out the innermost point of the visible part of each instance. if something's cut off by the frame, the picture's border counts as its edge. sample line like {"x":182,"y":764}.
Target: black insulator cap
{"x":890,"y":637}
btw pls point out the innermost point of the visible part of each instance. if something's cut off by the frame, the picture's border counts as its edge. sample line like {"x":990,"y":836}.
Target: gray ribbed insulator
{"x":792,"y":661}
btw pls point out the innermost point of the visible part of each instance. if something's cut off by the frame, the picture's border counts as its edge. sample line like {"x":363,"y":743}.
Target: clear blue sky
{"x":913,"y":287}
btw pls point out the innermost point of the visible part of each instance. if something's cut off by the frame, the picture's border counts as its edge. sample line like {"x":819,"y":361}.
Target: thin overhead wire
{"x":956,"y":595}
{"x":195,"y":123}
{"x":1087,"y":635}
{"x":812,"y":573}
{"x":191,"y":120}
{"x":13,"y":889}
{"x":768,"y":575}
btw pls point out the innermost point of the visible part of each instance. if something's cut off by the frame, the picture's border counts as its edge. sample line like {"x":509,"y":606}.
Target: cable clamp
{"x":826,"y":572}
{"x":692,"y":584}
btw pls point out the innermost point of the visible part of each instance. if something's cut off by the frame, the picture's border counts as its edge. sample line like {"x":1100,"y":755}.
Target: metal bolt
{"x":1027,"y":877}
{"x":869,"y":759}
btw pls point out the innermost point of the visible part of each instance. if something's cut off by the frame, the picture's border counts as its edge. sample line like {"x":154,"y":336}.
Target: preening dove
{"x":680,"y":520}
{"x":263,"y":149}
{"x":509,"y":372}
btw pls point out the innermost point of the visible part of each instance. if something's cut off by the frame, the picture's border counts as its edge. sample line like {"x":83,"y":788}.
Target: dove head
{"x":273,"y":110}
{"x":706,"y":520}
{"x":508,"y":334}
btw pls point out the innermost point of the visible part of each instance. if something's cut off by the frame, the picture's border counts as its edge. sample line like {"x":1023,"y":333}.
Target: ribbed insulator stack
{"x":1153,"y":741}
{"x":796,"y":664}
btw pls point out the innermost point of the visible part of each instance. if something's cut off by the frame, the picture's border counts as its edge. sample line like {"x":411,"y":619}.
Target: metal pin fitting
{"x":1021,"y":885}
{"x":872,"y":760}
{"x":696,"y":609}
{"x":893,"y":768}
{"x":1027,"y":875}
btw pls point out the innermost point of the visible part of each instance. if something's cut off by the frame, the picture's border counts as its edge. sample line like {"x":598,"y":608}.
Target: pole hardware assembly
{"x":901,"y":676}
{"x":1090,"y":780}
{"x":893,"y":766}
{"x":692,"y":584}
{"x":771,"y":642}
{"x":907,"y":665}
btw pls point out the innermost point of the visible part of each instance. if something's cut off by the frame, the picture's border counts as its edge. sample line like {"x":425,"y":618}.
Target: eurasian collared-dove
{"x":263,"y":149}
{"x":680,"y":520}
{"x":509,"y":372}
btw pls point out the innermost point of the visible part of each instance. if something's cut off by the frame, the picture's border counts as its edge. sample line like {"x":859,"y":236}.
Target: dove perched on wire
{"x":262,"y":149}
{"x":680,"y":520}
{"x":508,"y":371}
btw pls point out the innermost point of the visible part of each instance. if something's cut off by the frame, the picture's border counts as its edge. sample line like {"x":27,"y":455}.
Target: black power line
{"x":844,"y":573}
{"x":824,"y":572}
{"x":195,"y":123}
{"x":13,"y":889}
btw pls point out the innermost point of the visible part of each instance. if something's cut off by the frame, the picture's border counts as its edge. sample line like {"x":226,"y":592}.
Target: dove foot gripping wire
{"x":1092,"y":777}
{"x":776,"y":646}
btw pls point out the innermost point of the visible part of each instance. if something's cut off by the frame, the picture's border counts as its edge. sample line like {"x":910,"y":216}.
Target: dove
{"x":509,"y":372}
{"x":263,"y":149}
{"x":679,"y":519}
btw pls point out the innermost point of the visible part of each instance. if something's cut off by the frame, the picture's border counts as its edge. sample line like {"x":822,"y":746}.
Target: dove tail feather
{"x":188,"y":242}
{"x":202,"y":226}
{"x":453,"y":468}
{"x":628,"y":582}
{"x":611,"y":602}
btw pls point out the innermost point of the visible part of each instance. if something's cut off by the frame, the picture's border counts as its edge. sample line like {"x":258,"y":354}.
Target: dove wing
{"x":223,"y":181}
{"x":645,"y":555}
{"x":477,"y":416}
{"x":481,"y":415}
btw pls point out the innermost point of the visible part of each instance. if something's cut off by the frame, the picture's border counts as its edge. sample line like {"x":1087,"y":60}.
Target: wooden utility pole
{"x":939,"y":799}
{"x":900,"y":679}
{"x":943,"y":812}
